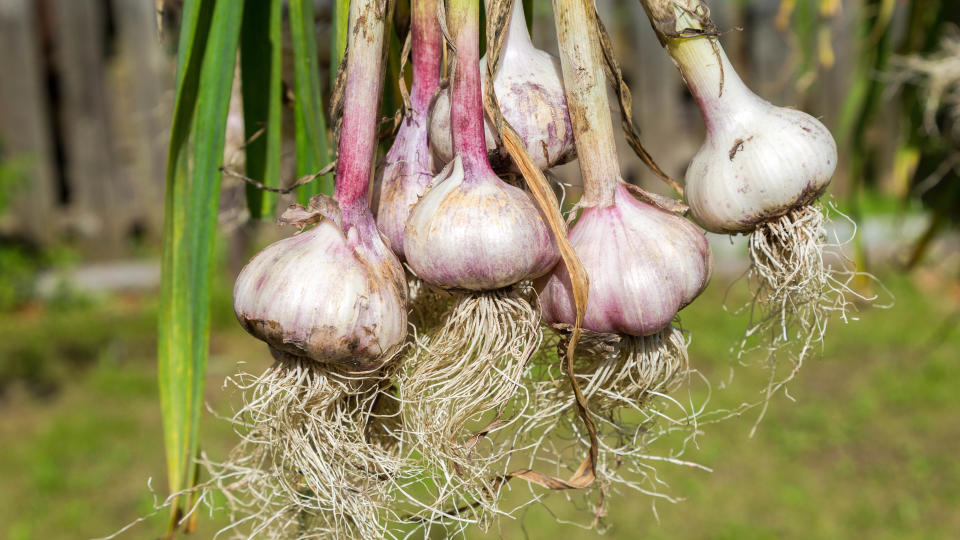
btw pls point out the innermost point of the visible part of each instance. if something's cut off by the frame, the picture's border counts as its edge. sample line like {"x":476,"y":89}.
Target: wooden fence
{"x":84,"y":107}
{"x":85,"y":99}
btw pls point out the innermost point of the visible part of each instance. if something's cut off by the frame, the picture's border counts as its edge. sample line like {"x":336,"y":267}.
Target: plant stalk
{"x":363,"y":87}
{"x":426,"y":42}
{"x":466,"y":105}
{"x":710,"y":77}
{"x":585,"y":85}
{"x":685,"y":29}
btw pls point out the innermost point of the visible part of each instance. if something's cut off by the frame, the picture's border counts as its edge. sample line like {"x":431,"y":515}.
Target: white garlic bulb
{"x":333,"y":298}
{"x":759,"y":161}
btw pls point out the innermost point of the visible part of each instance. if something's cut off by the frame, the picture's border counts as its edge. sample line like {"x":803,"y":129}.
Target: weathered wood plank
{"x":143,"y":77}
{"x":99,"y":216}
{"x":24,"y":121}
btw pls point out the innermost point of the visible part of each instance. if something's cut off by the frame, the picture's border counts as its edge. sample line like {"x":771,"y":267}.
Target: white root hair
{"x":317,"y":456}
{"x":627,"y":382}
{"x":794,"y":291}
{"x":461,"y":388}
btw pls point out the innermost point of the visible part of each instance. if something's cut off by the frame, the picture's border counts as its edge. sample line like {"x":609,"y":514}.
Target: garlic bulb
{"x":335,"y":294}
{"x":325,"y":295}
{"x":529,"y":88}
{"x":473,"y":231}
{"x":759,"y":161}
{"x":644,"y":264}
{"x":408,"y":166}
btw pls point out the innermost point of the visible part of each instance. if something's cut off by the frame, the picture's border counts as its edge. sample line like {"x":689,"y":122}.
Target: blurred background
{"x":866,"y":448}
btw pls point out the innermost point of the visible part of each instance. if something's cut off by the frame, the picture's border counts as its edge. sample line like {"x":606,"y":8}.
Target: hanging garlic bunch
{"x":529,"y":88}
{"x":759,"y":172}
{"x":478,"y":236}
{"x":331,"y":304}
{"x":644,"y":264}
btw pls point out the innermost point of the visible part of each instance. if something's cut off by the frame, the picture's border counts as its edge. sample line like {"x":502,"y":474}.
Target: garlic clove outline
{"x":477,"y":233}
{"x":644,"y":265}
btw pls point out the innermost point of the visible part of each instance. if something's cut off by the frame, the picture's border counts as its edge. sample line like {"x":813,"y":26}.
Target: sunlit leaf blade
{"x":261,"y":61}
{"x":341,"y":20}
{"x":207,"y":55}
{"x":313,"y":147}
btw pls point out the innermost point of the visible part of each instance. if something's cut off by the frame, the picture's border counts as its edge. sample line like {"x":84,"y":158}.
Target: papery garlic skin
{"x":529,"y":88}
{"x":406,"y":173}
{"x":759,"y":161}
{"x":644,"y":265}
{"x":477,"y":233}
{"x":325,"y":296}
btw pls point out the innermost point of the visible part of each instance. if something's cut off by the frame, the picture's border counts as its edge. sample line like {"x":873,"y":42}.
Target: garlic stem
{"x":466,"y":106}
{"x":586,"y":90}
{"x":358,"y":135}
{"x":426,"y":53}
{"x":719,"y":91}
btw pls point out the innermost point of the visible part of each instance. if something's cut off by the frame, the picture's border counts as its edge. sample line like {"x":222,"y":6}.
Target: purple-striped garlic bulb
{"x":334,"y":293}
{"x":529,"y":87}
{"x":644,"y":265}
{"x":472,"y":230}
{"x":478,"y":236}
{"x":331,"y":302}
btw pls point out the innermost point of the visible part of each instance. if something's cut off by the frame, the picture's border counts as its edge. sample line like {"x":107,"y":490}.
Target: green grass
{"x":868,"y":450}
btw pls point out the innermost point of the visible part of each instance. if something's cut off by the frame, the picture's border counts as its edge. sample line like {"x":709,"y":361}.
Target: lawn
{"x":867,"y":450}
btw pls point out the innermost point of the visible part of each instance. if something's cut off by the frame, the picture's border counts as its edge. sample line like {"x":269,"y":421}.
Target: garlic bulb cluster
{"x":325,"y":295}
{"x":408,"y":166}
{"x":529,"y":88}
{"x":759,"y":161}
{"x":644,"y":263}
{"x":473,"y":231}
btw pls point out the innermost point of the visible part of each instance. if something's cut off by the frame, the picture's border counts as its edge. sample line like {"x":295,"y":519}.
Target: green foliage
{"x":313,"y":147}
{"x":12,"y":176}
{"x":206,"y":56}
{"x":261,"y":63}
{"x":18,"y":270}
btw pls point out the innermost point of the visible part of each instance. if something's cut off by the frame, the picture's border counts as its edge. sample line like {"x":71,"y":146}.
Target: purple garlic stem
{"x":358,"y":135}
{"x":466,"y":115}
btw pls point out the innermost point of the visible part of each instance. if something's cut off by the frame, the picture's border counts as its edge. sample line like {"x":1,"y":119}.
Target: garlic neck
{"x":586,"y":86}
{"x":426,"y":53}
{"x":358,"y":133}
{"x":466,"y":110}
{"x":721,"y":94}
{"x":518,"y":38}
